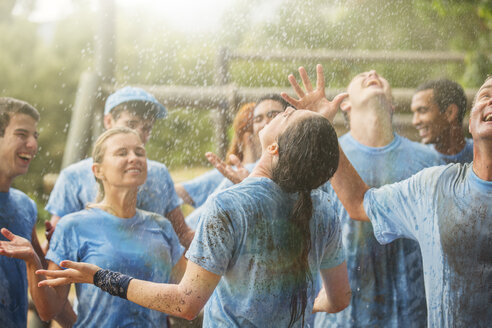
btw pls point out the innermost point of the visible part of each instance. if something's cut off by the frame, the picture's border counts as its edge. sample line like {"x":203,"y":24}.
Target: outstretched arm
{"x":346,"y":182}
{"x":184,"y":300}
{"x":185,"y":234}
{"x":49,"y":302}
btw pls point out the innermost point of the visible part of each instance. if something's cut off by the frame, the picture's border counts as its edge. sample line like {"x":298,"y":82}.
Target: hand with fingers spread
{"x":17,"y":247}
{"x":75,"y":273}
{"x":313,"y":99}
{"x":235,"y":175}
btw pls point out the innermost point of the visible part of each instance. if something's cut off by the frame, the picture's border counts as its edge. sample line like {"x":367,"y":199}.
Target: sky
{"x":185,"y":15}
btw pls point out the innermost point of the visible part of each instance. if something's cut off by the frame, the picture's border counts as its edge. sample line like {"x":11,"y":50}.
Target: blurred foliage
{"x":42,"y":62}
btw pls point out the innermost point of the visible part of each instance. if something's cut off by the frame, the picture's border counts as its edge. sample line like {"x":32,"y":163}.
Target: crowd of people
{"x":296,"y":228}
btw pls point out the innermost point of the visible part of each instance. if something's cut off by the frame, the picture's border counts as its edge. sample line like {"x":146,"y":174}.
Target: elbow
{"x":342,"y":303}
{"x":189,"y":313}
{"x":46,"y":315}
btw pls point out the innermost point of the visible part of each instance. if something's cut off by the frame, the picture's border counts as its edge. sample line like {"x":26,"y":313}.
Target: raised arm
{"x":346,"y":182}
{"x":48,"y":301}
{"x":184,"y":300}
{"x":234,"y":175}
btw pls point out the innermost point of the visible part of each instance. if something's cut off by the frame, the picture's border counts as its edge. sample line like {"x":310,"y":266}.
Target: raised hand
{"x":235,"y":175}
{"x":76,"y":272}
{"x":17,"y":247}
{"x":313,"y":99}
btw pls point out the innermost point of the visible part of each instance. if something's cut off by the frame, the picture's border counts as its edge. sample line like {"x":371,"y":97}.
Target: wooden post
{"x":221,"y":113}
{"x":79,"y":133}
{"x":105,"y":59}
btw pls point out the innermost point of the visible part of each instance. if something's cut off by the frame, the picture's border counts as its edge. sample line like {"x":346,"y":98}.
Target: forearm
{"x":175,"y":300}
{"x":47,"y":300}
{"x":350,"y":188}
{"x":185,"y":234}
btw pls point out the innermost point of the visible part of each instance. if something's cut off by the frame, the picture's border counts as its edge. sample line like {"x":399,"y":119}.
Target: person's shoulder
{"x":20,"y":198}
{"x":153,"y":217}
{"x":78,"y":168}
{"x":420,"y":151}
{"x":82,"y":217}
{"x":156,"y":166}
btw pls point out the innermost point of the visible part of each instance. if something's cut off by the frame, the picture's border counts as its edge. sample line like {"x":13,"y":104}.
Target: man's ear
{"x":452,"y":113}
{"x":273,"y":149}
{"x":108,"y":121}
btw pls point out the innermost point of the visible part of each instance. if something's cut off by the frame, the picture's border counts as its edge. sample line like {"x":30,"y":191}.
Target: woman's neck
{"x":118,"y":202}
{"x":263,"y":168}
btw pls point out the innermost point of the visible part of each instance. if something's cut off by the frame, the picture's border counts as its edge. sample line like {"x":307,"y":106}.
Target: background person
{"x":438,"y":108}
{"x":75,"y":187}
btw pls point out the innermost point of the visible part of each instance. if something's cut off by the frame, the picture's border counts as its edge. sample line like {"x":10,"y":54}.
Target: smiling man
{"x":76,"y":186}
{"x":438,"y":108}
{"x":18,"y":213}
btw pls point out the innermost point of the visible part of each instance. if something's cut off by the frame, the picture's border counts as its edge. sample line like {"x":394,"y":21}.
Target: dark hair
{"x":10,"y":106}
{"x":307,"y":157}
{"x":142,"y":109}
{"x":446,"y":93}
{"x":274,"y":97}
{"x":243,"y":123}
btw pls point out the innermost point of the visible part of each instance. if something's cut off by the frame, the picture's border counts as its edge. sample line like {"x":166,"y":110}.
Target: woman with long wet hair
{"x":259,"y":244}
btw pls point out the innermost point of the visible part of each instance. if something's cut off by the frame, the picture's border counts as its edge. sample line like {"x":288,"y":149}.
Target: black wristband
{"x":114,"y":283}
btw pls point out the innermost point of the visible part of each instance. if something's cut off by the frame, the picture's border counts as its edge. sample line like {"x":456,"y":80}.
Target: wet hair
{"x":142,"y":109}
{"x":100,"y":150}
{"x":446,"y":93}
{"x":274,"y":97}
{"x":11,"y":106}
{"x":308,"y":156}
{"x":243,"y":123}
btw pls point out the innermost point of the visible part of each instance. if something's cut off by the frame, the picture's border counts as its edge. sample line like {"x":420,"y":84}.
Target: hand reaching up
{"x":235,"y":175}
{"x":313,"y":99}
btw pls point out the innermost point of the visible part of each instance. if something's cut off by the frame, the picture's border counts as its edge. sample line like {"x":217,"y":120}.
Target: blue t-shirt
{"x":18,"y":214}
{"x":144,"y":247}
{"x":464,"y":156}
{"x":194,"y":217}
{"x":387,"y":281}
{"x":201,"y":187}
{"x":448,"y":211}
{"x":76,"y":187}
{"x":242,"y":236}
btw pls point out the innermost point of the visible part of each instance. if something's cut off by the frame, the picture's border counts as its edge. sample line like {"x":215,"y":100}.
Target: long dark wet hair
{"x":307,"y":157}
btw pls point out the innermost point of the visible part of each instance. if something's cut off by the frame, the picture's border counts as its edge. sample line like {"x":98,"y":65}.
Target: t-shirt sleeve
{"x":201,"y":187}
{"x":214,"y":242}
{"x":64,"y":244}
{"x":334,"y":252}
{"x":400,"y":210}
{"x":63,"y":198}
{"x":165,"y":192}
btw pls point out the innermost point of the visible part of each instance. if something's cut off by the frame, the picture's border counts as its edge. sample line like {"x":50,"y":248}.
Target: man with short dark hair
{"x":438,"y":108}
{"x":76,"y":187}
{"x":18,"y":213}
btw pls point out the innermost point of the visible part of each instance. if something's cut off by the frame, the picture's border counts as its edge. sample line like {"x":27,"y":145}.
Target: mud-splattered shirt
{"x":448,"y":210}
{"x":18,"y":214}
{"x":464,"y":156}
{"x":242,"y":236}
{"x":387,"y":281}
{"x":144,"y":247}
{"x":76,"y":187}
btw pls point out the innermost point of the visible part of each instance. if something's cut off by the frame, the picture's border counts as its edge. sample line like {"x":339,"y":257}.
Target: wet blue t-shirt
{"x":464,"y":156}
{"x":387,"y":281}
{"x":18,"y":214}
{"x":76,"y":187}
{"x":144,"y":247}
{"x":194,"y":217}
{"x":242,"y":236}
{"x":202,"y":186}
{"x":448,"y":211}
